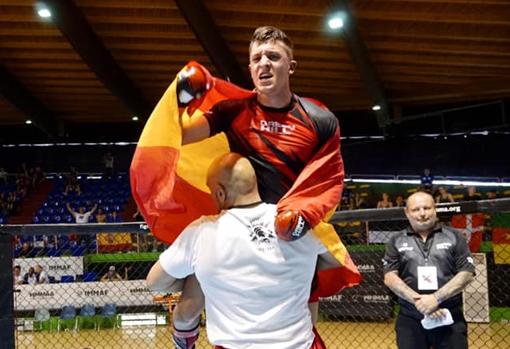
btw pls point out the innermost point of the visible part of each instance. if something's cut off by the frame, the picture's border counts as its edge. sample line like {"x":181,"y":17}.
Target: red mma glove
{"x":192,"y":83}
{"x":290,"y":225}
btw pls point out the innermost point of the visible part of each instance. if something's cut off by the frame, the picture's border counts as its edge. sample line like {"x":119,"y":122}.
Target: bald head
{"x":232,"y":181}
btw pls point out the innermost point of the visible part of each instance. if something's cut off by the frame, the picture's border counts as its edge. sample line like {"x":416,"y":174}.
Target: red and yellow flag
{"x":168,"y":180}
{"x":501,"y":245}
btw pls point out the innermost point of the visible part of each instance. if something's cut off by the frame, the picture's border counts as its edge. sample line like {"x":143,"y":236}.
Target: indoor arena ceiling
{"x":95,"y":63}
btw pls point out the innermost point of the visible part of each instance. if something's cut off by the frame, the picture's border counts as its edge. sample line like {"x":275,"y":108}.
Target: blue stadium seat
{"x":54,"y":252}
{"x":89,"y":276}
{"x":66,"y":279}
{"x":78,"y":250}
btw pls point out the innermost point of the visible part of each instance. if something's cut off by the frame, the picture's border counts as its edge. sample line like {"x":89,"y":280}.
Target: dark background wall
{"x":456,"y":156}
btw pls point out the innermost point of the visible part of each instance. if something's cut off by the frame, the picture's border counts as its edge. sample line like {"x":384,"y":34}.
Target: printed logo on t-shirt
{"x":405,"y":247}
{"x":262,"y":237}
{"x":276,"y":127}
{"x":444,"y":246}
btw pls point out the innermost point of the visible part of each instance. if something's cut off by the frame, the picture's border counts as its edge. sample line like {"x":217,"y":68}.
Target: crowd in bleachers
{"x":73,"y":197}
{"x":14,"y":188}
{"x":34,"y":275}
{"x":362,"y":196}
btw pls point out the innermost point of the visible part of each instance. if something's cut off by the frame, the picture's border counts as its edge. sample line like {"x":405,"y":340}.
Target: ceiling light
{"x":335,"y":22}
{"x":376,"y":107}
{"x":134,"y":118}
{"x":44,"y":13}
{"x":28,"y":122}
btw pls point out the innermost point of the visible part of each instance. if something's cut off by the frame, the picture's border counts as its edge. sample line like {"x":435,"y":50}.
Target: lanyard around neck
{"x":419,"y":244}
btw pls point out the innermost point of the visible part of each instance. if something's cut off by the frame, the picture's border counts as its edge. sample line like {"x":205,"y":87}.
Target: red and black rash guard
{"x":278,"y":142}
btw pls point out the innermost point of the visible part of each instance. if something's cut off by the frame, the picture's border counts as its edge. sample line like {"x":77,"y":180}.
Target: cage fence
{"x":82,"y":286}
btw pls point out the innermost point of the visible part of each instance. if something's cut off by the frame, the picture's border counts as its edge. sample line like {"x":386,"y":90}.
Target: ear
{"x":292,"y":66}
{"x":220,"y":195}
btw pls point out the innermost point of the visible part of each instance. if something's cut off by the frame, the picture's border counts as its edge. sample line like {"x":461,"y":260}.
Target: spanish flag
{"x":168,"y":180}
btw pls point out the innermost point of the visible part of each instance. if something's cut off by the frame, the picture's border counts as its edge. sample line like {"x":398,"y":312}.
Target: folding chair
{"x":42,"y":319}
{"x":67,"y":317}
{"x":109,"y":315}
{"x":87,"y":316}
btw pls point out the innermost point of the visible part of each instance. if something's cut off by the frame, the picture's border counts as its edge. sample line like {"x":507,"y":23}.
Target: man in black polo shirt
{"x":427,"y":266}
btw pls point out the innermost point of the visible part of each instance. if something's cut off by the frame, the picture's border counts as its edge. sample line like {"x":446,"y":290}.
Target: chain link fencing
{"x":78,"y":287}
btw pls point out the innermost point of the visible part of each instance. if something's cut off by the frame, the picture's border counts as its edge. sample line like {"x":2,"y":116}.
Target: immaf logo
{"x":276,"y":127}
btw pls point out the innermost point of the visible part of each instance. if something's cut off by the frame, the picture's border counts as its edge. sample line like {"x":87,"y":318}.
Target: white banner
{"x":54,"y":296}
{"x":53,"y":266}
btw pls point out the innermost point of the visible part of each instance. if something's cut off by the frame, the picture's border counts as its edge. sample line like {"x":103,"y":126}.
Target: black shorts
{"x":411,"y":334}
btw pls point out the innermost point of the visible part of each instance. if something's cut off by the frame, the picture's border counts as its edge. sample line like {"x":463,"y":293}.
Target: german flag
{"x":168,"y":180}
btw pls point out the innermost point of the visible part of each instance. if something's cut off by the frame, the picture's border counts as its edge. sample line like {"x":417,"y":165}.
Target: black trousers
{"x":412,"y":335}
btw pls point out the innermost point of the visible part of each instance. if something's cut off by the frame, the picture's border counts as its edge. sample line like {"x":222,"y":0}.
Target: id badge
{"x":427,"y":278}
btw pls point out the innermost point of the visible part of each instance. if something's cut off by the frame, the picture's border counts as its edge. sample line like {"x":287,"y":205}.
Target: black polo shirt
{"x":445,"y":248}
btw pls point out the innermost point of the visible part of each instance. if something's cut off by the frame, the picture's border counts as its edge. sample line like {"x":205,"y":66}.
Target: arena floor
{"x":337,"y":335}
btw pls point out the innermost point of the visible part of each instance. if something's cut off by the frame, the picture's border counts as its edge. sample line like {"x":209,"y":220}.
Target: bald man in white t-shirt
{"x":256,"y":286}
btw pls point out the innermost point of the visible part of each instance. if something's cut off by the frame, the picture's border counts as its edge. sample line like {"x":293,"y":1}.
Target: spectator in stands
{"x":108,"y":164}
{"x":359,"y":202}
{"x":399,"y":201}
{"x":21,"y":185}
{"x":30,"y":277}
{"x":81,"y":216}
{"x":137,"y":216}
{"x":112,"y":275}
{"x":26,"y":250}
{"x":385,"y":202}
{"x":3,"y":176}
{"x":72,"y":188}
{"x":42,"y":278}
{"x":38,"y":176}
{"x":30,"y":178}
{"x":444,"y":196}
{"x":12,"y":199}
{"x":100,"y":216}
{"x":4,"y":206}
{"x":16,"y":272}
{"x":472,"y":195}
{"x":426,"y":180}
{"x":492,"y":194}
{"x":114,"y":217}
